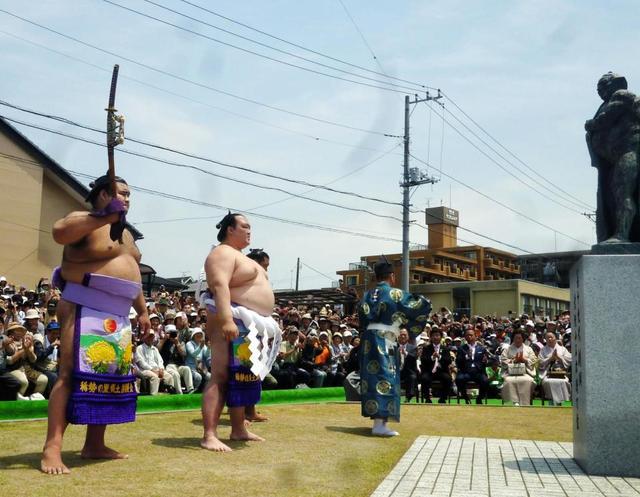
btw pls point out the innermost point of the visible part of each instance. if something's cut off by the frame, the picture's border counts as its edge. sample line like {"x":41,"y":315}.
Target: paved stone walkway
{"x":480,"y":467}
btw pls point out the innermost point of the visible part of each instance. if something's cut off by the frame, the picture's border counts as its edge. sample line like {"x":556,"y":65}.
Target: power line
{"x":317,"y":226}
{"x":193,"y":100}
{"x":196,"y":168}
{"x":202,"y":158}
{"x":480,"y":235}
{"x":316,"y":271}
{"x":326,"y":228}
{"x":278,"y":189}
{"x":350,"y":173}
{"x":200,"y":85}
{"x":505,"y":169}
{"x":495,"y":140}
{"x":332,"y":229}
{"x":343,"y":231}
{"x":257,"y":54}
{"x":364,"y":40}
{"x":306,"y":49}
{"x":265,"y":45}
{"x":24,"y":225}
{"x":504,"y":205}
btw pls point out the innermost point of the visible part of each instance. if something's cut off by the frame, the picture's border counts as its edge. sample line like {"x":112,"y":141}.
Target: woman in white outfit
{"x":518,"y":369}
{"x":554,"y":363}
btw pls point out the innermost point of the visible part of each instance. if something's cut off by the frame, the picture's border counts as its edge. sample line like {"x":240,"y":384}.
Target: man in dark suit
{"x":471,"y":361}
{"x":435,"y":363}
{"x":408,"y":364}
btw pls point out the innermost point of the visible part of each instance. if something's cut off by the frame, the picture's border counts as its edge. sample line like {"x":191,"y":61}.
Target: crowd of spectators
{"x":477,"y":356}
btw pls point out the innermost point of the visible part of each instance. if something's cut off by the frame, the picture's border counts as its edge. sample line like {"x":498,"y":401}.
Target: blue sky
{"x":525,"y":71}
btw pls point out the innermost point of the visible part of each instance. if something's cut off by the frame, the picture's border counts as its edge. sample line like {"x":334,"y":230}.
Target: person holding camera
{"x":151,"y":366}
{"x":173,"y":352}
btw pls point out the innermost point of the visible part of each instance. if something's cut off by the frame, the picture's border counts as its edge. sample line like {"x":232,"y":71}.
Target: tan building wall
{"x":495,"y":297}
{"x":32,"y":199}
{"x":487,"y":302}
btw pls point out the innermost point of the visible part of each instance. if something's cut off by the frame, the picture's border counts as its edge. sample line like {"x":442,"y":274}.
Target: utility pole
{"x":410,"y":177}
{"x":297,"y":273}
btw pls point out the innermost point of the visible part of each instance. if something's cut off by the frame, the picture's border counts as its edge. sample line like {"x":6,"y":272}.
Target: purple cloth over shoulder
{"x":103,"y":388}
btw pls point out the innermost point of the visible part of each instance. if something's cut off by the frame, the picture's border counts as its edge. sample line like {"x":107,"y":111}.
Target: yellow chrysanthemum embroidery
{"x":101,"y":354}
{"x":244,"y":354}
{"x":128,"y":352}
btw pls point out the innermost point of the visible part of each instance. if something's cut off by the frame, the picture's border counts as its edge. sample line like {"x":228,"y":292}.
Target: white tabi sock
{"x":380,"y":429}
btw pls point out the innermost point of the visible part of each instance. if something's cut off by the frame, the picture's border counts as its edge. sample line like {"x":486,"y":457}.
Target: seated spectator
{"x":353,"y":360}
{"x":408,"y":365}
{"x":47,"y":354}
{"x":323,"y":361}
{"x":19,"y":345}
{"x":435,"y":364}
{"x":173,"y":353}
{"x":339,"y":354}
{"x":151,"y":366}
{"x":182,"y":326}
{"x":154,"y":319}
{"x":193,"y":359}
{"x":33,"y":325}
{"x":9,"y":384}
{"x":291,"y":374}
{"x":518,"y":369}
{"x":471,"y":359}
{"x":554,"y":364}
{"x":310,"y":351}
{"x":494,"y":374}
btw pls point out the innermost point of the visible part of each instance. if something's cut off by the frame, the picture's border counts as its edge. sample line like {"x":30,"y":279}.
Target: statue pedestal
{"x":605,"y":298}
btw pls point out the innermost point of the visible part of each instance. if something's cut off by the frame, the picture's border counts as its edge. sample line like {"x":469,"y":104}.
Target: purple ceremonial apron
{"x":244,"y":388}
{"x":103,"y":388}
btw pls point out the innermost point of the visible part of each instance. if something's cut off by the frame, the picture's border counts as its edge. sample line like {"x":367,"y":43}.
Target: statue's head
{"x":610,"y":83}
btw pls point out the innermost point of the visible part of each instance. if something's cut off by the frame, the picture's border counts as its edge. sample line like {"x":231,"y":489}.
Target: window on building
{"x":352,"y":280}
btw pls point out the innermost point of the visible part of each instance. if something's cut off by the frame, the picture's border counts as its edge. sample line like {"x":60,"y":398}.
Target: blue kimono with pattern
{"x":379,"y":357}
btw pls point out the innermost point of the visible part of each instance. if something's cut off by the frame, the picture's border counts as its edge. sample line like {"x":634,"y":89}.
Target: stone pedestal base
{"x":605,"y":299}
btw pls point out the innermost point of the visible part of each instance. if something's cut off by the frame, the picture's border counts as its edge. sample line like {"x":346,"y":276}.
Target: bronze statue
{"x":613,"y":140}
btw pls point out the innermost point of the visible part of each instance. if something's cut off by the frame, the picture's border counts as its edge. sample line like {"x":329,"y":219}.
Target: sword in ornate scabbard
{"x":115,"y":129}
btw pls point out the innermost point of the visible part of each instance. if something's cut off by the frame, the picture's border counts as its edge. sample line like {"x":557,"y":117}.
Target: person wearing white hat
{"x":151,"y":366}
{"x":193,"y":360}
{"x":21,"y":358}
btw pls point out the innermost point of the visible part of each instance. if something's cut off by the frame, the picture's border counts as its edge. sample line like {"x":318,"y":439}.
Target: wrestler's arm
{"x":140,"y":305}
{"x":77,"y":225}
{"x":219,"y":268}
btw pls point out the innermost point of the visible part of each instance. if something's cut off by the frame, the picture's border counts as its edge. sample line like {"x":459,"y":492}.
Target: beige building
{"x":440,"y":261}
{"x":499,"y":298}
{"x":36,"y":191}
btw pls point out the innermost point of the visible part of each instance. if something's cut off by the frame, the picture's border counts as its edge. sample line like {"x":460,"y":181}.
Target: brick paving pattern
{"x":480,"y":467}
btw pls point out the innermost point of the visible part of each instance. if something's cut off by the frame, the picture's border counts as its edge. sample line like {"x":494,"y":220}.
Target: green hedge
{"x":37,"y":409}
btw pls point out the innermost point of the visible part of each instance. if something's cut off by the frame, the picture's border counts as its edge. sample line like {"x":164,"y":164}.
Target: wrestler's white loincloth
{"x":261,"y":330}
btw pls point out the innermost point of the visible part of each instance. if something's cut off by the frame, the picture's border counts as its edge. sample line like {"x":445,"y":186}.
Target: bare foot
{"x":257,"y":418}
{"x":212,"y":443}
{"x":102,"y":453}
{"x":246,"y":436}
{"x":51,"y":463}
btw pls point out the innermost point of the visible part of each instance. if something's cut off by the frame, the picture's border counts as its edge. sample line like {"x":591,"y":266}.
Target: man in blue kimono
{"x":383,"y":311}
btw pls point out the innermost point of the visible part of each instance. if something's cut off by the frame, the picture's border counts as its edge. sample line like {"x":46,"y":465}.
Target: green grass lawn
{"x":311,"y":450}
